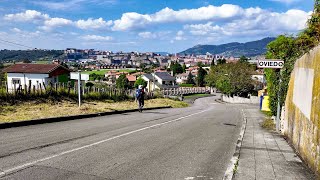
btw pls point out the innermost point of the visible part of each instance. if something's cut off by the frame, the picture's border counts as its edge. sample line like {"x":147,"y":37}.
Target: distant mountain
{"x":249,"y":49}
{"x":32,"y":55}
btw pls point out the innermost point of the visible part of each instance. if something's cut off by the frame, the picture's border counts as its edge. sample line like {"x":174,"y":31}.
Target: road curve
{"x":189,"y":143}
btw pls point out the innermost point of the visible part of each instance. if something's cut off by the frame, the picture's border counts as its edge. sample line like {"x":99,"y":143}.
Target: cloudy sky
{"x":145,"y":25}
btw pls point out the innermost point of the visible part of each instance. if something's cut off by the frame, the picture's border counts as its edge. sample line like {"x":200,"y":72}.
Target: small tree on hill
{"x":212,"y":63}
{"x":184,"y":67}
{"x":176,"y":68}
{"x":140,"y":81}
{"x":243,"y":59}
{"x":221,"y":61}
{"x":201,"y":76}
{"x":122,"y":82}
{"x":190,"y":79}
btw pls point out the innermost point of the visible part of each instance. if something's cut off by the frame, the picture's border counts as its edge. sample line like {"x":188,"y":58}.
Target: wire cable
{"x":10,"y":42}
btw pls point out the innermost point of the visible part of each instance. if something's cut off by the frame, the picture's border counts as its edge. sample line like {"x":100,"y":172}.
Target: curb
{"x":220,"y":101}
{"x":68,"y":118}
{"x":235,"y":158}
{"x":192,"y":100}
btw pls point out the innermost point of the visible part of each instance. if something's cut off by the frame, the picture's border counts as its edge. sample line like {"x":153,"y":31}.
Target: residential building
{"x":159,"y":80}
{"x":35,"y":74}
{"x":182,"y":78}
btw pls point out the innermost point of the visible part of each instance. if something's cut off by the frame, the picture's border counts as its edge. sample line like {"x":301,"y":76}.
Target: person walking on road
{"x":140,"y":97}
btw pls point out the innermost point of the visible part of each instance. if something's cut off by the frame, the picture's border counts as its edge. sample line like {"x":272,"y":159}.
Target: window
{"x":16,"y":81}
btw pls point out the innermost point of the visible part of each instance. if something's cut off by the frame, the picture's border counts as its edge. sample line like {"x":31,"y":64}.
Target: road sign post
{"x":79,"y":88}
{"x":274,"y":64}
{"x":80,"y":77}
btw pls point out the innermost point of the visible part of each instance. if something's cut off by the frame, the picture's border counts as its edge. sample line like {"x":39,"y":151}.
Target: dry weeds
{"x":28,"y":111}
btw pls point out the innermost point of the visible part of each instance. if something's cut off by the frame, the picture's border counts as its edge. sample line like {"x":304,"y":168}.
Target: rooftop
{"x":165,"y":76}
{"x":32,"y":68}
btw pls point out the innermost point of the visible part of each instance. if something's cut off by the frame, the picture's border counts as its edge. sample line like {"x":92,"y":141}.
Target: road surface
{"x":189,"y":143}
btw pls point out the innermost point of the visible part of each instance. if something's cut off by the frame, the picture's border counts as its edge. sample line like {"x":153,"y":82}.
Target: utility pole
{"x":154,"y":85}
{"x":276,"y":64}
{"x":278,"y":105}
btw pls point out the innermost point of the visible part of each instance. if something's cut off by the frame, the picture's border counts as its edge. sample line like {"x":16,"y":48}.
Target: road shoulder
{"x":69,"y":118}
{"x":267,"y":155}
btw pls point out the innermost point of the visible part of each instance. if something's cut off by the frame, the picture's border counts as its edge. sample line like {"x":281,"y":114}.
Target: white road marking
{"x":23,"y":166}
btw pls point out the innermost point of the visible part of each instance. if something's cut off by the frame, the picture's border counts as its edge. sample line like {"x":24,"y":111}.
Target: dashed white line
{"x":23,"y":166}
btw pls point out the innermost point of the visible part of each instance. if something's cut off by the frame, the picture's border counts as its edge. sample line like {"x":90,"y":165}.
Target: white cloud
{"x":147,"y":35}
{"x":96,"y":38}
{"x":70,"y":4}
{"x":93,"y":23}
{"x":55,"y":22}
{"x":180,"y":33}
{"x":180,"y":36}
{"x":58,"y":5}
{"x":28,"y":15}
{"x":154,"y":35}
{"x":25,"y":34}
{"x":265,"y":24}
{"x":286,"y":1}
{"x":49,"y":23}
{"x":16,"y":30}
{"x":135,"y":20}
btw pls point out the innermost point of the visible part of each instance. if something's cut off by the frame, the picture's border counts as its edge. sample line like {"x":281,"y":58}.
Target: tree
{"x":284,"y":48}
{"x":243,"y":59}
{"x":122,"y":82}
{"x":212,"y":63}
{"x":26,"y":61}
{"x":190,"y":79}
{"x":231,"y":79}
{"x":140,"y":81}
{"x":221,"y":61}
{"x":200,"y":64}
{"x":184,"y":67}
{"x":201,"y":77}
{"x":176,"y":68}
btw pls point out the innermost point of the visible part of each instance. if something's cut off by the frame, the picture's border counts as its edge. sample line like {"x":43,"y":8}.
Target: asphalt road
{"x":190,"y":143}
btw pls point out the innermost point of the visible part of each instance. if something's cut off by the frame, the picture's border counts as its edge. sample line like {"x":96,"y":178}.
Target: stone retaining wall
{"x":241,"y":100}
{"x":302,"y":109}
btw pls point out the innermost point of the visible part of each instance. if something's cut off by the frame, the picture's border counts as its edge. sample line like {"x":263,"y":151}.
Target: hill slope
{"x":248,"y":49}
{"x":32,"y":55}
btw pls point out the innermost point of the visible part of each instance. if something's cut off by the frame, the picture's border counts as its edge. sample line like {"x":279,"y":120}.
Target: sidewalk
{"x":266,"y":155}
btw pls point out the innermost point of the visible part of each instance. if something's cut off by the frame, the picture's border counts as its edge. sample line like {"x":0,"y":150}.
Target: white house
{"x":35,"y":74}
{"x":159,"y":80}
{"x":182,"y":78}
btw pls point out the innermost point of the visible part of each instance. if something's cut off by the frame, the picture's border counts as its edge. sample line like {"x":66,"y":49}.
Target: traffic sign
{"x":271,"y":63}
{"x":75,"y":75}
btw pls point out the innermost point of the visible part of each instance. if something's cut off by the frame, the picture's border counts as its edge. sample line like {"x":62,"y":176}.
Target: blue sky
{"x":140,"y":25}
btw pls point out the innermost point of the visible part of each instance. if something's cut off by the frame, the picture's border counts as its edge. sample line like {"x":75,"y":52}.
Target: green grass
{"x":104,"y":71}
{"x":43,"y":62}
{"x":196,"y":95}
{"x":100,"y":72}
{"x":268,"y":123}
{"x":267,"y":113}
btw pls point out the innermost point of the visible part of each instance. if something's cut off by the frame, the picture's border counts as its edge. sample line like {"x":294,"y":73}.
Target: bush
{"x":232,"y":79}
{"x":186,"y":85}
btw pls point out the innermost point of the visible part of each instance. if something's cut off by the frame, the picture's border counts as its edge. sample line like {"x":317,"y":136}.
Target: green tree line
{"x":289,"y":48}
{"x":31,"y":55}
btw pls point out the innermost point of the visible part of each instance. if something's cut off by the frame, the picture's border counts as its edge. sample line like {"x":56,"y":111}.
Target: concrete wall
{"x":24,"y":79}
{"x":302,"y":109}
{"x":241,"y":100}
